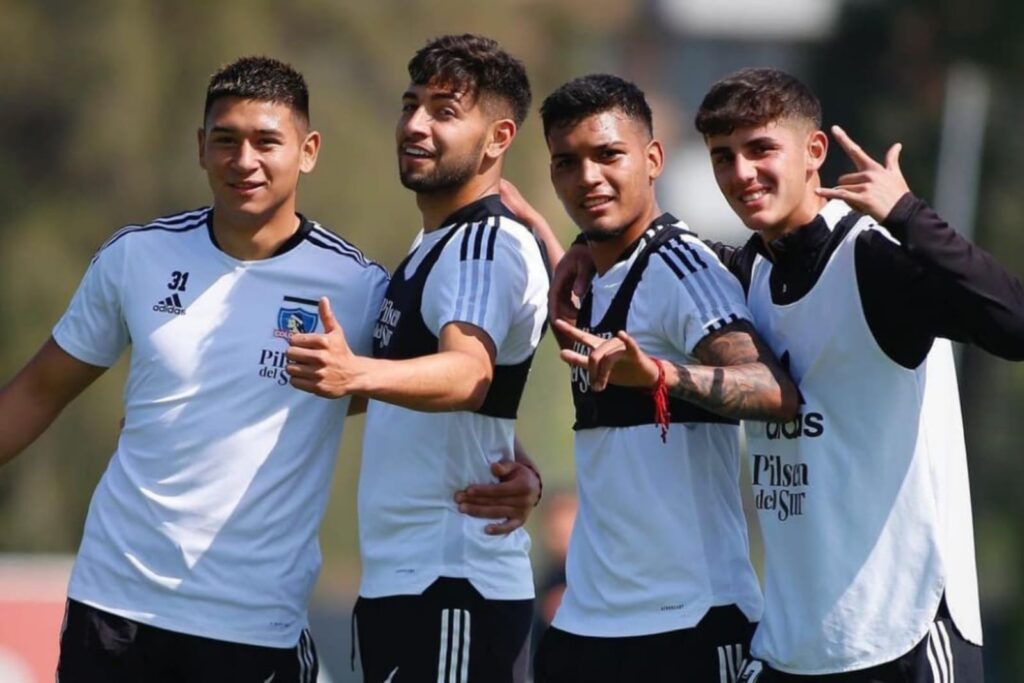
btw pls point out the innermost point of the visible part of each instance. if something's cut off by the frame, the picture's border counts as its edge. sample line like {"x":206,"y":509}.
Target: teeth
{"x":416,"y":152}
{"x":589,"y":203}
{"x":753,"y":196}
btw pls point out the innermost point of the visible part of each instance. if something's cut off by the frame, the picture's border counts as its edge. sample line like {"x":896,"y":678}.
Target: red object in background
{"x":33,"y":590}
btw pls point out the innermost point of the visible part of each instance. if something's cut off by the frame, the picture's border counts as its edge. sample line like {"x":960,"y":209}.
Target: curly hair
{"x":475,"y":65}
{"x":754,"y":97}
{"x":259,"y":78}
{"x":594,"y":94}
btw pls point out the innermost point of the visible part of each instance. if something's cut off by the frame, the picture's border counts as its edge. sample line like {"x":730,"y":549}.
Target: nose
{"x":744,"y":169}
{"x":413,"y":124}
{"x":590,"y":173}
{"x":245,"y":157}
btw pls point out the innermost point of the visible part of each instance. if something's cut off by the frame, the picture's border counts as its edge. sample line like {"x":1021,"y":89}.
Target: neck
{"x":251,"y":238}
{"x":606,"y":254}
{"x":437,"y":206}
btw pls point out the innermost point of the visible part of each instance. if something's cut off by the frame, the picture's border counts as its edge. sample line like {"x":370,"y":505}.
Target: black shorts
{"x":449,"y":633}
{"x":943,"y":656}
{"x":99,"y":646}
{"x":710,"y":652}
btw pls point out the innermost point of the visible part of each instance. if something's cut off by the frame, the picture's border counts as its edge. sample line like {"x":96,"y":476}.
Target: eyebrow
{"x":452,"y":96}
{"x":260,"y":131}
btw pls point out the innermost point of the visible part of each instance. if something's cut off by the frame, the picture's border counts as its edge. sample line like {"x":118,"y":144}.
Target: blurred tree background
{"x":100,"y":101}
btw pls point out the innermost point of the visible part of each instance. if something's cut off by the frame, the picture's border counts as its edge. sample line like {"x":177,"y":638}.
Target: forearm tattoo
{"x":739,"y":378}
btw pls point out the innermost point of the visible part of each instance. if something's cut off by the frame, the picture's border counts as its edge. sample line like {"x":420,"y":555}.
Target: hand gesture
{"x":511,"y":499}
{"x":568,"y":285}
{"x":873,"y":189}
{"x":322,"y":364}
{"x":618,"y":360}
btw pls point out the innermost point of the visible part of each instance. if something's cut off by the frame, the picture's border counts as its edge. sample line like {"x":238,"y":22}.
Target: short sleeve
{"x":699,"y":295}
{"x":93,"y":328}
{"x":481,"y":279}
{"x":376,"y":280}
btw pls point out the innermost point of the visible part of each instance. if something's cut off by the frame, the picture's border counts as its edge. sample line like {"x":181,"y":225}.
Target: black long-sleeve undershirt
{"x":933,"y":283}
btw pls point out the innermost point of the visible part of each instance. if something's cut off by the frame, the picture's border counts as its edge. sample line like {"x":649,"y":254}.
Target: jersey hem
{"x":193,"y":629}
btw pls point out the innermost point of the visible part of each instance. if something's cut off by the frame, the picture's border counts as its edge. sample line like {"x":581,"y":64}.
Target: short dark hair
{"x":594,"y":94}
{"x":259,"y":78}
{"x":754,"y":97}
{"x":475,"y":65}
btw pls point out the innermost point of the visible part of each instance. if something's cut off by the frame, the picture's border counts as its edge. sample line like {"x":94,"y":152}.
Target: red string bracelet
{"x":659,"y":392}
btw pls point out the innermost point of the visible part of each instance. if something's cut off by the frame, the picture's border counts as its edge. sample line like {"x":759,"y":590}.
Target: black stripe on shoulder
{"x":325,"y":239}
{"x":180,"y":222}
{"x":492,"y":239}
{"x":464,"y":246}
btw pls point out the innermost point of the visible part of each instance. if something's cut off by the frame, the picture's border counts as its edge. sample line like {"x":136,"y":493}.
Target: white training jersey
{"x":205,"y":521}
{"x":863,"y":499}
{"x":660,"y":535}
{"x":483,"y":268}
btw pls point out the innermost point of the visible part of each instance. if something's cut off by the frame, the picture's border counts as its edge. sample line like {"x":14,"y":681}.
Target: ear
{"x":201,"y":139}
{"x":310,"y":150}
{"x":502,"y":133}
{"x":655,"y":159}
{"x":817,"y":149}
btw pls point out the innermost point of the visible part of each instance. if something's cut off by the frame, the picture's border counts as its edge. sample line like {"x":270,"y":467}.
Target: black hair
{"x":259,"y":78}
{"x":595,"y":94}
{"x":475,"y":65}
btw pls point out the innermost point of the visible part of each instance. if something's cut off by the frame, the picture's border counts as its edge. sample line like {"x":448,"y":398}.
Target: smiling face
{"x":441,"y":136}
{"x":253,"y":152}
{"x":603,"y":169}
{"x":768,"y":174}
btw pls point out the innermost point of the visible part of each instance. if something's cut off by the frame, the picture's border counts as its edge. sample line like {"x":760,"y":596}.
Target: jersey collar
{"x":481,"y":209}
{"x":305,"y":226}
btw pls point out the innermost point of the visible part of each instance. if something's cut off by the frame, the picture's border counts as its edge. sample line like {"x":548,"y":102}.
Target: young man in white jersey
{"x":441,"y":598}
{"x":200,"y":546}
{"x":869,"y":567}
{"x":659,"y":581}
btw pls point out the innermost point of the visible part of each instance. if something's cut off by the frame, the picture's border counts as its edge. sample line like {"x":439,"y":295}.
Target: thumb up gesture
{"x":323,"y":364}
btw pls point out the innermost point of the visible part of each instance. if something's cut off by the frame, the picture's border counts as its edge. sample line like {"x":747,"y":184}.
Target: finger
{"x":306,"y":385}
{"x":307,"y":340}
{"x":488,"y":511}
{"x":298,"y":354}
{"x":631,"y":346}
{"x":509,"y":491}
{"x":576,"y":334}
{"x":503,"y":468}
{"x":892,"y":157}
{"x":506,"y":527}
{"x":854,"y":178}
{"x":859,"y":157}
{"x":577,"y":360}
{"x":845,"y":195}
{"x":327,"y":315}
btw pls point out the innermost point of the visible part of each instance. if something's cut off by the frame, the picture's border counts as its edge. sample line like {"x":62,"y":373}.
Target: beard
{"x":597,"y":235}
{"x":448,"y":172}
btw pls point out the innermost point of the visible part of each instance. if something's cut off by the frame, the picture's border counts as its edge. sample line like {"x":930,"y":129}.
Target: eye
{"x":561,"y":164}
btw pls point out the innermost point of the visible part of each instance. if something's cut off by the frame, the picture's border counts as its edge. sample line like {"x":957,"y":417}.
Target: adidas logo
{"x":171,"y":304}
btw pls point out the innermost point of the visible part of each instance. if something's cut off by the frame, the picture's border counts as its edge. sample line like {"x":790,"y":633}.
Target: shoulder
{"x":172,"y":227}
{"x":334,"y":246}
{"x":494,"y":238}
{"x":684,"y":255}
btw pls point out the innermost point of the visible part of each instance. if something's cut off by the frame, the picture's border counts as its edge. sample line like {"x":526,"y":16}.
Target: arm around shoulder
{"x":34,"y":397}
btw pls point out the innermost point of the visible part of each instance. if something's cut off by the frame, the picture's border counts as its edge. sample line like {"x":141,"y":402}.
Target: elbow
{"x":475,"y":394}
